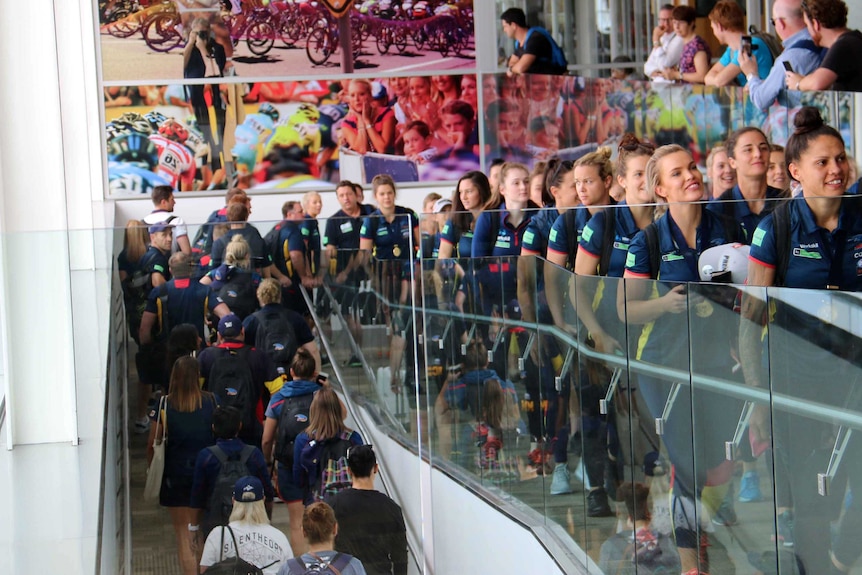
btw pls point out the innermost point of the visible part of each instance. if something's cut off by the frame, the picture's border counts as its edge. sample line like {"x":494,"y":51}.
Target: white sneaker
{"x":560,"y":480}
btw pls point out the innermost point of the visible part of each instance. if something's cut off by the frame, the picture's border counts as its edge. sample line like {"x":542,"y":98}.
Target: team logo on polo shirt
{"x":807,"y":251}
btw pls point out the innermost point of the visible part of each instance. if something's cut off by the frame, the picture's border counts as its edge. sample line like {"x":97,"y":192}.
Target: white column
{"x":50,"y":156}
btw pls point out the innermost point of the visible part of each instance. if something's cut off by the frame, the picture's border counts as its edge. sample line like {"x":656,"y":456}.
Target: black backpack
{"x":137,"y":288}
{"x":231,"y":380}
{"x":273,"y":246}
{"x":235,"y":565}
{"x":232,"y":468}
{"x":238,"y":292}
{"x":292,"y":421}
{"x":275,"y":337}
{"x":339,"y":562}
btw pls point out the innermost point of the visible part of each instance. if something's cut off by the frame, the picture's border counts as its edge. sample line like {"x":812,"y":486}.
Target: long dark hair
{"x":461,"y":218}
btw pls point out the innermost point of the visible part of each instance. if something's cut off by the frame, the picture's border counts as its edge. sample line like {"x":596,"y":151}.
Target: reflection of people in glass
{"x":719,"y":172}
{"x":811,"y":360}
{"x":368,"y":127}
{"x":392,"y":233}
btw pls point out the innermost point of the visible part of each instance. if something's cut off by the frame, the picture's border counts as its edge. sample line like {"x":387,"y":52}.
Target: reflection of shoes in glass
{"x":324,"y":359}
{"x":726,"y":514}
{"x":784,"y":529}
{"x":142,"y":425}
{"x":597,"y":504}
{"x":749,"y":488}
{"x":560,"y":480}
{"x":353,"y":362}
{"x":695,"y":571}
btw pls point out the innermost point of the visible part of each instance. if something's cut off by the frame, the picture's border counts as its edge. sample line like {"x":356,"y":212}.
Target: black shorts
{"x":176,"y":491}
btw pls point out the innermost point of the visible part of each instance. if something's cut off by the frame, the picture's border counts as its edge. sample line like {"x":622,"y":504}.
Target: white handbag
{"x":157,"y":465}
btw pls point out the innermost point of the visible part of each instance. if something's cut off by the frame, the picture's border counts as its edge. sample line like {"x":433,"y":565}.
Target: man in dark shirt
{"x":534,"y":47}
{"x":341,"y":241}
{"x":841,"y":69}
{"x":370,"y":525}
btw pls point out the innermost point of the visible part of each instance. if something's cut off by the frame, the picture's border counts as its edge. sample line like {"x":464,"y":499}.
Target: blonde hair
{"x":306,"y":198}
{"x":135,"y":240}
{"x":253,"y":512}
{"x":269,"y":291}
{"x":237,"y":253}
{"x":653,"y":173}
{"x":600,"y":159}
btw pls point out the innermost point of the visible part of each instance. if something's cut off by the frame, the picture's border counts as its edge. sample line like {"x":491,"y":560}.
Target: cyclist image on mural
{"x":288,"y":134}
{"x":146,"y":39}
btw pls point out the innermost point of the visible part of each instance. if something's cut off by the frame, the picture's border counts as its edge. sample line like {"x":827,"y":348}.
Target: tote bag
{"x":157,"y":466}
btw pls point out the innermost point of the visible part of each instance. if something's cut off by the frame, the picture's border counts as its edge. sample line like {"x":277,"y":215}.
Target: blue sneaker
{"x":749,"y":488}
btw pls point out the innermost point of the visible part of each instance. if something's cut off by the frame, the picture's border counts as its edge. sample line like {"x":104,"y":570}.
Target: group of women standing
{"x":664,"y":193}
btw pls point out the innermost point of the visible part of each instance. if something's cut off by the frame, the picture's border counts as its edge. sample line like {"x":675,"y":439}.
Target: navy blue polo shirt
{"x":500,"y":277}
{"x":342,"y":231}
{"x":558,"y":239}
{"x":665,"y":340}
{"x":188,"y":301}
{"x":461,"y":240}
{"x":738,"y":209}
{"x":207,"y":468}
{"x":537,"y":232}
{"x":154,"y":260}
{"x":311,"y":235}
{"x":815,"y":250}
{"x":290,"y":239}
{"x":392,"y":240}
{"x":593,"y":235}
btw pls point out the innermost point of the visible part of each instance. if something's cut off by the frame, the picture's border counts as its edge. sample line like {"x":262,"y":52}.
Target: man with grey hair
{"x":666,"y":46}
{"x":800,"y":53}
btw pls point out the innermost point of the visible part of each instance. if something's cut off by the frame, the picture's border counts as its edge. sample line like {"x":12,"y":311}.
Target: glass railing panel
{"x":813,"y":371}
{"x":658,"y":344}
{"x":728,"y":463}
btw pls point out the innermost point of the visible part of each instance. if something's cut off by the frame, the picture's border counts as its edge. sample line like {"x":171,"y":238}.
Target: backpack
{"x":137,"y":288}
{"x":559,"y":64}
{"x":296,"y":566}
{"x":773,"y":43}
{"x":232,"y":468}
{"x":230,"y":378}
{"x":235,"y":565}
{"x":272,"y":243}
{"x":292,"y":421}
{"x":607,"y":239}
{"x":238,"y":292}
{"x":275,"y":337}
{"x":325,"y":463}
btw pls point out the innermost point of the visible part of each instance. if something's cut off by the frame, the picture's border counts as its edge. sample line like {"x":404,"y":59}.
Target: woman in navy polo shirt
{"x":456,"y":239}
{"x":810,"y":359}
{"x":497,"y":274}
{"x":700,"y":421}
{"x":391,"y":234}
{"x":592,"y":177}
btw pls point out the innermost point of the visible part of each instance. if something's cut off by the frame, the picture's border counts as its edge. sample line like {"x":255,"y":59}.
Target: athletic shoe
{"x":353,"y":362}
{"x":749,"y":488}
{"x":560,"y":481}
{"x":597,"y":504}
{"x":784,"y":529}
{"x":726,"y":514}
{"x":142,"y":425}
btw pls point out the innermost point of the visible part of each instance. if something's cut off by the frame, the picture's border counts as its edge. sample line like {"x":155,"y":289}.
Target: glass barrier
{"x":706,"y":425}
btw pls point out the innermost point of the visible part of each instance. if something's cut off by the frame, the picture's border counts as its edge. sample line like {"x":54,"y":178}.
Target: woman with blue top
{"x":186,"y":420}
{"x":295,"y":396}
{"x":751,"y":199}
{"x":700,"y":422}
{"x":456,"y":239}
{"x":391,"y":235}
{"x":325,"y":422}
{"x":602,"y":251}
{"x":592,"y":177}
{"x":813,"y":243}
{"x":497,"y":238}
